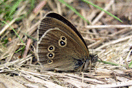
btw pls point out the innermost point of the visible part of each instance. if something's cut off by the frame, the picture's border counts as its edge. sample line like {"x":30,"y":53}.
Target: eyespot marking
{"x":51,"y":48}
{"x":49,"y":61}
{"x":51,"y":55}
{"x":62,"y":43}
{"x":63,"y":38}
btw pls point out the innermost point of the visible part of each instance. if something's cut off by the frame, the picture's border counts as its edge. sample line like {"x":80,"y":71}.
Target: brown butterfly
{"x":60,"y":46}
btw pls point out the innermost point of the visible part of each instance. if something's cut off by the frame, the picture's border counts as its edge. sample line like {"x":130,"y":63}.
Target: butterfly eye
{"x":49,"y":61}
{"x":51,"y":48}
{"x":50,"y":55}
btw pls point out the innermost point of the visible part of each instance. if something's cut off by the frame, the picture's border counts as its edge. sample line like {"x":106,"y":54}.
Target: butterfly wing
{"x":57,"y":50}
{"x":52,"y":20}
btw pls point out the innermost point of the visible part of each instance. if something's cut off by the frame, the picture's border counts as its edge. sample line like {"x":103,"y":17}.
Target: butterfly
{"x":60,"y":46}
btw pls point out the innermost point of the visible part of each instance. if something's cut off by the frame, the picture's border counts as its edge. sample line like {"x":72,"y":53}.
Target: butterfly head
{"x":90,"y":62}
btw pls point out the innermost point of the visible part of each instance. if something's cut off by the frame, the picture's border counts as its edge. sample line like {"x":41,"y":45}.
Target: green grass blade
{"x":21,"y":17}
{"x":20,"y":49}
{"x":13,"y":8}
{"x":74,"y":10}
{"x":106,"y":62}
{"x":102,"y":9}
{"x":32,"y":6}
{"x":130,"y":64}
{"x":17,"y":36}
{"x":14,"y":32}
{"x":30,"y":37}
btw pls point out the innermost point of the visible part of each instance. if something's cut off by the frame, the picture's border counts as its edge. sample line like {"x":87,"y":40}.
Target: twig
{"x":8,"y":25}
{"x":114,"y":42}
{"x":108,"y":26}
{"x":93,"y":45}
{"x":27,"y":48}
{"x":39,"y":6}
{"x":115,"y":85}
